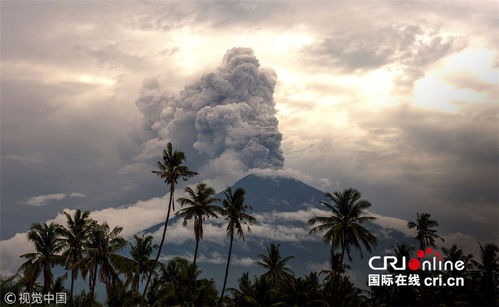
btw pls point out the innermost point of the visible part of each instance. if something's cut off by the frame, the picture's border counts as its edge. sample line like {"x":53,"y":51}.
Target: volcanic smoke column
{"x":229,"y":114}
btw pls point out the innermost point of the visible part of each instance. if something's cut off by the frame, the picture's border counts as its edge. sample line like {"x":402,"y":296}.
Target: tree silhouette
{"x":48,"y":244}
{"x":276,"y":265}
{"x":344,"y":227}
{"x":171,"y":170}
{"x":234,"y":212}
{"x":140,"y":261}
{"x":75,"y":236}
{"x":102,"y":259}
{"x":489,"y":272}
{"x":199,"y":206}
{"x":425,"y":234}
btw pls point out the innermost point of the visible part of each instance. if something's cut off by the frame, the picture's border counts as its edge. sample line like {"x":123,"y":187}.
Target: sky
{"x":398,"y":99}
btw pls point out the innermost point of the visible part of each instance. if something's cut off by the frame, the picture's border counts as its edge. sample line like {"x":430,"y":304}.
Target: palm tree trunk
{"x":172,"y":189}
{"x":46,"y":280}
{"x":90,"y":281}
{"x":342,"y":255}
{"x":94,"y":281}
{"x":343,"y":249}
{"x":332,"y":258}
{"x":72,"y":283}
{"x":226,"y":270}
{"x":137,"y":280}
{"x":196,"y":253}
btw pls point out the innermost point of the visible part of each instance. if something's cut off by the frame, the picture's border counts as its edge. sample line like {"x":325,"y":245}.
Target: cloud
{"x":274,"y":226}
{"x":389,"y":222}
{"x":133,"y":218}
{"x":42,"y":200}
{"x":471,"y":82}
{"x":265,"y":228}
{"x":408,"y":48}
{"x":213,"y":258}
{"x":76,"y":194}
{"x":10,"y":250}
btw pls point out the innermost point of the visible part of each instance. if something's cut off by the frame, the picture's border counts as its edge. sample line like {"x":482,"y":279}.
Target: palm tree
{"x":48,"y":245}
{"x":344,"y":227}
{"x":75,"y":235}
{"x":489,"y":271}
{"x":234,"y":212}
{"x":243,"y":293}
{"x":342,"y":292}
{"x":173,"y":286}
{"x":336,"y":267}
{"x":101,"y":256}
{"x":171,"y":170}
{"x":199,"y":206}
{"x":304,"y":291}
{"x":277,"y":271}
{"x":256,"y":293}
{"x":425,"y":234}
{"x":454,"y":254}
{"x":141,"y":263}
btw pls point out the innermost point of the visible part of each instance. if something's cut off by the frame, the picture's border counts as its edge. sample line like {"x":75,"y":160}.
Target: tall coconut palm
{"x":234,"y":212}
{"x":424,"y":225}
{"x":200,"y":205}
{"x":171,"y":170}
{"x":344,"y":227}
{"x":276,"y":265}
{"x":141,"y":263}
{"x":75,"y":235}
{"x":48,"y":245}
{"x":101,"y":257}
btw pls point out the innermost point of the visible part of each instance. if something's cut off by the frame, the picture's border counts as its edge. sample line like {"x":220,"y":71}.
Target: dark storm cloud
{"x":410,"y":160}
{"x":50,"y":148}
{"x":228,"y":113}
{"x":467,"y":174}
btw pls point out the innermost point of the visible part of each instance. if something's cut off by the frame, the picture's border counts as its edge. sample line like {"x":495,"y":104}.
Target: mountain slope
{"x":282,"y":207}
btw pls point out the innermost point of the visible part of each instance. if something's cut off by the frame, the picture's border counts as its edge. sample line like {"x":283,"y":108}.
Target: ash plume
{"x":228,"y":116}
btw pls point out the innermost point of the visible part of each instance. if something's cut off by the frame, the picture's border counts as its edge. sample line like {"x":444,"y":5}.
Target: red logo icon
{"x":415,"y":263}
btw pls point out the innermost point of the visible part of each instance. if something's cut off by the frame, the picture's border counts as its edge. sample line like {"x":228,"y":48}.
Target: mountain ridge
{"x":282,"y":206}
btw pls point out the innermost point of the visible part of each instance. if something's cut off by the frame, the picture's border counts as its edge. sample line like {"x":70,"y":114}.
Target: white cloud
{"x":42,"y":200}
{"x":10,"y":250}
{"x":76,"y":194}
{"x":133,"y":219}
{"x":393,"y":223}
{"x":214,"y":258}
{"x":272,"y":226}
